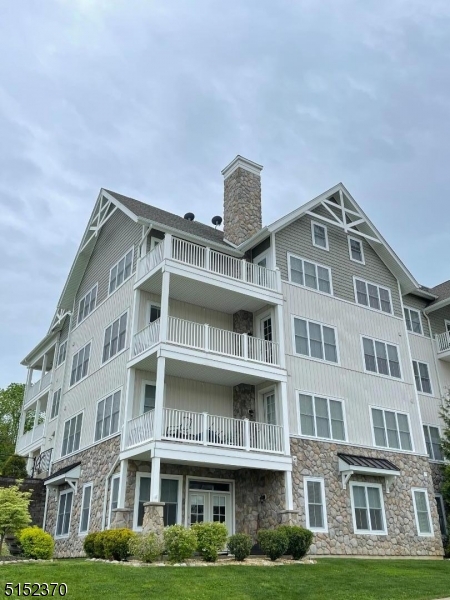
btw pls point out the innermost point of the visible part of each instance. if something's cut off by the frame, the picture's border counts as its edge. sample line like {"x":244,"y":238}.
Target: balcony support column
{"x":122,"y":483}
{"x":155,"y":479}
{"x":44,"y":367}
{"x":159,"y":399}
{"x":29,"y":377}
{"x":164,"y":318}
{"x":284,"y":409}
{"x":280,"y":335}
{"x":288,"y":490}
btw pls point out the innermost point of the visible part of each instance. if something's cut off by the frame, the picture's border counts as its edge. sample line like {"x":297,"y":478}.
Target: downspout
{"x":105,"y":497}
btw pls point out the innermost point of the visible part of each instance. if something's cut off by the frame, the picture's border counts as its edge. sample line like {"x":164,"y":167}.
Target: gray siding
{"x":116,"y":237}
{"x":418,"y":303}
{"x":65,"y":330}
{"x":296,"y":238}
{"x":438,"y":318}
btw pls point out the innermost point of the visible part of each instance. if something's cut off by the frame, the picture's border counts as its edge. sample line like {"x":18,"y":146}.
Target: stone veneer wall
{"x":437,"y":474}
{"x":244,"y":401}
{"x":243,"y":322}
{"x":241,"y":206}
{"x":319,"y":459}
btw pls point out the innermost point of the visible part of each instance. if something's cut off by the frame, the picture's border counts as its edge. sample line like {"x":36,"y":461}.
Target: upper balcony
{"x":31,"y":439}
{"x":39,"y":387}
{"x":442,"y":341}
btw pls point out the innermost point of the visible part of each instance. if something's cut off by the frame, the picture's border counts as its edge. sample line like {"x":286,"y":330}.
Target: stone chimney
{"x":242,"y":200}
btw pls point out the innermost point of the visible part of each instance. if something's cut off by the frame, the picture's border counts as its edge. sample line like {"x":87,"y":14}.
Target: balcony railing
{"x":442,"y":342}
{"x":208,"y":430}
{"x":30,"y":436}
{"x":38,"y":386}
{"x":209,"y":260}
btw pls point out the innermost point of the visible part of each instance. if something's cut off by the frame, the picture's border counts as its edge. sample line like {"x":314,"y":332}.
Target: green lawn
{"x":329,"y":579}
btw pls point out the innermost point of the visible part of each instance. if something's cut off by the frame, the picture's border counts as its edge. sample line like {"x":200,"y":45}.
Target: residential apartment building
{"x":291,"y":373}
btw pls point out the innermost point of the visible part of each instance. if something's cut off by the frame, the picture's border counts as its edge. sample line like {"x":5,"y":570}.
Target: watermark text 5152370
{"x":35,"y":589}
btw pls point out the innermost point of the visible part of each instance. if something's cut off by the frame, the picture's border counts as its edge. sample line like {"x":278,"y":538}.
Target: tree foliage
{"x":15,"y":466}
{"x":14,"y":513}
{"x":11,"y":400}
{"x":445,"y":445}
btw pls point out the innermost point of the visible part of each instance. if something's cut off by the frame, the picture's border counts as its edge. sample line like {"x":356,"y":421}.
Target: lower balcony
{"x":442,"y":341}
{"x":30,"y":440}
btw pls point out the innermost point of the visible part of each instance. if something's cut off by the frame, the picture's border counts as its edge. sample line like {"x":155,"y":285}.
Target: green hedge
{"x":211,"y":539}
{"x":146,"y":547}
{"x":299,"y":540}
{"x":112,"y":544}
{"x":180,"y":542}
{"x":240,"y":544}
{"x":36,"y":543}
{"x":274,"y":542}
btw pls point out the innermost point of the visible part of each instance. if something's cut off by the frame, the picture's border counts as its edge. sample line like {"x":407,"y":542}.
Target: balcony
{"x":36,"y":388}
{"x":31,"y":439}
{"x":442,"y":341}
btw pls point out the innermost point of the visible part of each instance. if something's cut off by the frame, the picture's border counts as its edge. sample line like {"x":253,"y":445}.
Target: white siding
{"x":422,"y":349}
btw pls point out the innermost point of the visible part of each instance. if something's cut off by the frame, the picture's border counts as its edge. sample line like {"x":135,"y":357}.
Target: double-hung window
{"x":373,"y":296}
{"x":391,"y":429}
{"x":87,"y":304}
{"x":64,"y":513}
{"x":422,"y":377}
{"x":356,"y":251}
{"x":72,"y":435}
{"x":413,"y":321}
{"x":80,"y":364}
{"x":108,"y":411}
{"x":169,"y":494}
{"x":381,"y":358}
{"x":368,"y":508}
{"x":121,"y":271}
{"x":315,"y":340}
{"x":321,"y":417}
{"x":115,"y":337}
{"x":319,"y":235}
{"x":55,"y":404}
{"x":309,"y":274}
{"x":62,"y":350}
{"x":114,"y":497}
{"x":316,"y":512}
{"x":422,"y":512}
{"x":433,"y":442}
{"x":85,"y":513}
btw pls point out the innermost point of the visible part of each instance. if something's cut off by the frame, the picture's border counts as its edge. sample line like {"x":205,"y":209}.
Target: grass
{"x":329,"y":579}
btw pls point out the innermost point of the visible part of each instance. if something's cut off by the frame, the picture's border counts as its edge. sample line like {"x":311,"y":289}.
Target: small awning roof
{"x":350,"y":464}
{"x":69,"y":474}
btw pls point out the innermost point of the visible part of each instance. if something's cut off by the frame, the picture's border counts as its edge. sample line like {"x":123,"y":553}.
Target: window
{"x":148,"y":397}
{"x":321,"y":417}
{"x":422,"y":512}
{"x":391,"y":429}
{"x":355,"y":248}
{"x":85,"y":508}
{"x":316,"y":514}
{"x":80,"y":364}
{"x":55,"y":404}
{"x":309,"y":274}
{"x":433,"y":442}
{"x":413,"y":322}
{"x":319,"y":235}
{"x":87,"y":304}
{"x":315,"y":340}
{"x":114,"y":497}
{"x":72,"y":434}
{"x":373,"y":296}
{"x":422,"y":377}
{"x":381,"y":358}
{"x":115,"y":336}
{"x":108,"y":411}
{"x":154,"y":312}
{"x":441,"y":514}
{"x":169,"y":493}
{"x":121,"y":271}
{"x":64,"y":513}
{"x":61,"y":353}
{"x":367,"y":508}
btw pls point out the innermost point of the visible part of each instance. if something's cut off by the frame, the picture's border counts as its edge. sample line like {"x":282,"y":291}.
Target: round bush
{"x":146,"y":547}
{"x":211,"y":539}
{"x":240,"y":544}
{"x":36,"y":543}
{"x":116,"y":543}
{"x":273,"y":542}
{"x":89,"y":544}
{"x":15,"y":466}
{"x":180,"y":542}
{"x":299,"y":540}
{"x":99,"y":544}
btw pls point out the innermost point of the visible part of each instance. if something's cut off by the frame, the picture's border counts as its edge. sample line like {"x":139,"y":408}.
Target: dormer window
{"x":319,"y":235}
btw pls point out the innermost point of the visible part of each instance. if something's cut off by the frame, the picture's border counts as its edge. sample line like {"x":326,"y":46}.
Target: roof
{"x":355,"y":460}
{"x":442,"y":291}
{"x":63,"y":470}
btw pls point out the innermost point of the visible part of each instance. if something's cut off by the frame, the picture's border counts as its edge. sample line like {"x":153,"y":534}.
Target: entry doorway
{"x":210,"y":502}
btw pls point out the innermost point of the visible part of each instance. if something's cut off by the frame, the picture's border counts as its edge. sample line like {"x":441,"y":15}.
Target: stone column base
{"x":121,"y":518}
{"x":288,"y":517}
{"x":153,"y":517}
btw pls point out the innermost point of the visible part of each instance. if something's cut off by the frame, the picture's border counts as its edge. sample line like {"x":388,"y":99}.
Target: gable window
{"x":108,"y":411}
{"x":433,"y":442}
{"x":381,"y":358}
{"x":72,"y":435}
{"x":422,"y":377}
{"x":391,"y":429}
{"x":316,"y":514}
{"x":121,"y":271}
{"x":315,"y":340}
{"x":80,"y":364}
{"x":355,"y":248}
{"x":368,"y":508}
{"x":85,"y":508}
{"x":319,"y":235}
{"x":55,"y":404}
{"x":373,"y":296}
{"x":321,"y":417}
{"x":64,"y":513}
{"x":115,"y":336}
{"x":87,"y":304}
{"x":114,"y":497}
{"x":309,"y":274}
{"x":422,"y":512}
{"x":61,"y":353}
{"x":413,"y":321}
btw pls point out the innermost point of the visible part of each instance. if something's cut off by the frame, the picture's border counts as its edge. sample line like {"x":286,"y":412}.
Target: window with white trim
{"x":368,"y":508}
{"x":309,"y":274}
{"x":319,"y":235}
{"x":381,"y":358}
{"x":115,"y":337}
{"x":422,"y":377}
{"x":315,"y":340}
{"x":391,"y":429}
{"x":85,"y":513}
{"x":64,"y":513}
{"x":433,"y":442}
{"x":55,"y":404}
{"x":373,"y":296}
{"x":154,"y":312}
{"x":355,"y":249}
{"x":413,"y":321}
{"x":321,"y":417}
{"x":422,"y":512}
{"x":62,"y":350}
{"x":72,"y":435}
{"x":87,"y":303}
{"x":80,"y":364}
{"x":169,"y":494}
{"x":108,"y":411}
{"x":121,"y":271}
{"x":113,"y":497}
{"x":315,"y":506}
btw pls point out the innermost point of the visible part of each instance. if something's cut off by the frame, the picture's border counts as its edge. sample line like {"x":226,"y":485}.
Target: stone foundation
{"x":153,"y":518}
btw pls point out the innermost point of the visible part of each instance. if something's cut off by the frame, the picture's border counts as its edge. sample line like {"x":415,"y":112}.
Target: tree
{"x":445,"y":445}
{"x":14,"y":513}
{"x":15,"y":466}
{"x":11,"y":400}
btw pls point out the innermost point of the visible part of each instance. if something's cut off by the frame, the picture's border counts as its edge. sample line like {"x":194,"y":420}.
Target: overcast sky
{"x":153,"y":99}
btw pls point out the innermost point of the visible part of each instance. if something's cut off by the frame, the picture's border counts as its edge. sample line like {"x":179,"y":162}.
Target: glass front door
{"x":210,"y":502}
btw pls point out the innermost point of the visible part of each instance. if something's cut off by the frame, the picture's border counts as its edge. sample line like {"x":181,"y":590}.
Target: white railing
{"x":225,"y":342}
{"x":442,"y":341}
{"x":150,"y":260}
{"x":146,"y":338}
{"x":186,"y":333}
{"x":33,"y":435}
{"x":266,"y":437}
{"x":226,"y":265}
{"x":266,"y":278}
{"x":188,"y":253}
{"x":46,"y":380}
{"x":140,"y":429}
{"x":33,"y":391}
{"x":263,"y":351}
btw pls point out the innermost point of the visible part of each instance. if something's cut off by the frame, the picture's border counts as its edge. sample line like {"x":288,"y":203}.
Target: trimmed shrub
{"x":99,"y":544}
{"x":180,"y":542}
{"x":211,"y":539}
{"x":36,"y":543}
{"x":116,"y":543}
{"x":273,"y":542}
{"x":146,"y":547}
{"x":240,"y":544}
{"x":89,"y":544}
{"x":15,"y":466}
{"x":299,"y":538}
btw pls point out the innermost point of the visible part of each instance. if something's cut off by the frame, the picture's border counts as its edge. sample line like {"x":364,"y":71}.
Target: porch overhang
{"x":69,"y":474}
{"x":351,"y":464}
